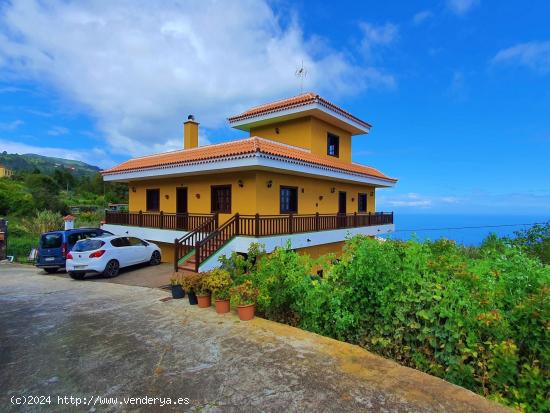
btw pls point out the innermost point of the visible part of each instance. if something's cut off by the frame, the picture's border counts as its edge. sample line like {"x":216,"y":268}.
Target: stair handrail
{"x":206,"y":228}
{"x":199,"y":258}
{"x":200,"y":228}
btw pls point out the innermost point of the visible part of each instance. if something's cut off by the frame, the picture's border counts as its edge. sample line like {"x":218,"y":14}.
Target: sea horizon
{"x":468,"y":228}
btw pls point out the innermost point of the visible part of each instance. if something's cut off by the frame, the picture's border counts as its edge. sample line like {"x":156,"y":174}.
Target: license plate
{"x":78,"y":267}
{"x":49,"y":259}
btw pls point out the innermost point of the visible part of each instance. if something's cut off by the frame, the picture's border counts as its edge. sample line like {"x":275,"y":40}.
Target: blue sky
{"x":458,"y":91}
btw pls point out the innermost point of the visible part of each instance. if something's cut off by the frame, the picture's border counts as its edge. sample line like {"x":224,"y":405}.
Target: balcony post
{"x":355,"y":219}
{"x":161,"y":220}
{"x":237,"y":223}
{"x":216,"y":219}
{"x":317,"y":221}
{"x":291,"y":223}
{"x":257,"y":225}
{"x":176,"y":254}
{"x":140,"y":218}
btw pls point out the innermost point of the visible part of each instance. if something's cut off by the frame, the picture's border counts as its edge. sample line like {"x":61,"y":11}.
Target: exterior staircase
{"x":184,"y":247}
{"x":198,"y":245}
{"x":190,"y":264}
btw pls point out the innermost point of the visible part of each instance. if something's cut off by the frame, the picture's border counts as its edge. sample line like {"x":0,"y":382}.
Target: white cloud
{"x":95,"y":156}
{"x":374,"y":35}
{"x":58,"y":130}
{"x":414,"y":201}
{"x":458,"y":89}
{"x":407,"y":200}
{"x":140,"y":67}
{"x":422,"y":16}
{"x":535,"y":55}
{"x":10,"y":89}
{"x":461,"y":7}
{"x":10,"y":126}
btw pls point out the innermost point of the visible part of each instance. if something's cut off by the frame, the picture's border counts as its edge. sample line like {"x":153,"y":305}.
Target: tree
{"x":535,"y":241}
{"x":45,"y":192}
{"x":14,"y":199}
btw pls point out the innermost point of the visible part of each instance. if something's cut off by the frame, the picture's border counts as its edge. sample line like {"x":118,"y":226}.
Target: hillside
{"x":28,"y":162}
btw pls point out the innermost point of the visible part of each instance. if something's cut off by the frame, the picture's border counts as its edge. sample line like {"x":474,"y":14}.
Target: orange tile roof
{"x":241,"y":147}
{"x":295,"y":101}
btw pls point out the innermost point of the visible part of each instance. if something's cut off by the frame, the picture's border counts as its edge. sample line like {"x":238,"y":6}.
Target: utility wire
{"x":477,"y":227}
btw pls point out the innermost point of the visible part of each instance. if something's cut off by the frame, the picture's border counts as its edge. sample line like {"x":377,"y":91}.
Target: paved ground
{"x":61,"y":337}
{"x":138,"y":275}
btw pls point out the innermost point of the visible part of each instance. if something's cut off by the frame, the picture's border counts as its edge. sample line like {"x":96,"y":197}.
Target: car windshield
{"x":51,"y":240}
{"x":88,"y":245}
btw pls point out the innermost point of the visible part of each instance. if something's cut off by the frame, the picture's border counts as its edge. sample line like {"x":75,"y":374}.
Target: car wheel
{"x":51,"y":270}
{"x":155,"y":258}
{"x":76,"y":275}
{"x":111,"y":269}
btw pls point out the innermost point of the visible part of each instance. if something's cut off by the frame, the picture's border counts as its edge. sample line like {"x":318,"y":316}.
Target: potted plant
{"x":177,"y":289}
{"x":202,"y":291}
{"x":245,"y":296}
{"x":219,"y":282}
{"x":190,"y":283}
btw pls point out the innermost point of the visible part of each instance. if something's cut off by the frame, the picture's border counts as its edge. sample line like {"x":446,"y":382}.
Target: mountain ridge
{"x":28,"y":162}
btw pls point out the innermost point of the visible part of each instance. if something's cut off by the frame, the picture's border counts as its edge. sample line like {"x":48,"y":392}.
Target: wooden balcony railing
{"x":266,"y":225}
{"x":251,"y":225}
{"x":161,"y":220}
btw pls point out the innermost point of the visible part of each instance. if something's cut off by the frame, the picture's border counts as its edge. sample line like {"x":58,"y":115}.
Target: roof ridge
{"x":189,"y":149}
{"x":312,"y":95}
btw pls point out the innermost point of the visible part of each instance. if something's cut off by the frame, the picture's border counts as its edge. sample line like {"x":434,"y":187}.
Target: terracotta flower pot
{"x":246,"y":312}
{"x":222,"y":306}
{"x":204,"y":301}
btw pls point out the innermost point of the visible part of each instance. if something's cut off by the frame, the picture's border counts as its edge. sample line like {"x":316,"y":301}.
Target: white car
{"x":106,"y":255}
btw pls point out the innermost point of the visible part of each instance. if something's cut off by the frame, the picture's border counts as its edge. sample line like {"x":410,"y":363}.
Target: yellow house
{"x":292,"y":179}
{"x":5,"y":172}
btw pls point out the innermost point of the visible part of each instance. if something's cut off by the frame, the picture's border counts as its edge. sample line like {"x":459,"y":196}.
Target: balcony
{"x":160,"y":220}
{"x":252,"y":225}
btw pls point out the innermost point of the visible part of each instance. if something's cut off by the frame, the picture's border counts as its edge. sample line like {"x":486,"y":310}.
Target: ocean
{"x":464,"y":229}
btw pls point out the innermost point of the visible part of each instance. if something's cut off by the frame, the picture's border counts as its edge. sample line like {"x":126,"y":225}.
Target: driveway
{"x":139,"y":275}
{"x":92,"y":341}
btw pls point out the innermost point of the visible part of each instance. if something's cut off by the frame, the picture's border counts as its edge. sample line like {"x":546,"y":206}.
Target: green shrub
{"x":244,"y":294}
{"x":239,"y":266}
{"x":480,"y":323}
{"x":20,"y":246}
{"x":282,"y":279}
{"x":478,"y":318}
{"x":89,"y":219}
{"x":535,"y":241}
{"x":42,"y":221}
{"x":218,"y":281}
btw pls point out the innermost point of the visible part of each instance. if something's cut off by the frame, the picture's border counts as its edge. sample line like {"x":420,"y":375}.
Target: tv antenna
{"x":301,"y":73}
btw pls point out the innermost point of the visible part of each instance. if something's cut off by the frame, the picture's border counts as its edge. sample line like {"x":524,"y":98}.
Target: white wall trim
{"x":299,"y":109}
{"x":150,"y":234}
{"x":308,"y":239}
{"x":250,"y":161}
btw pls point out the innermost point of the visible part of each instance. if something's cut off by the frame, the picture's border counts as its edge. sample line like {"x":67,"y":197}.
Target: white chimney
{"x":69,"y":222}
